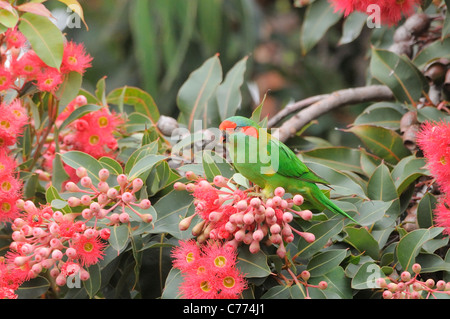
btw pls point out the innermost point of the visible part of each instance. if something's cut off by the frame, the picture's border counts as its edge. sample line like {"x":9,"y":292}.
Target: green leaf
{"x":147,"y":149}
{"x":52,"y":194}
{"x":68,"y":90}
{"x":323,"y":231}
{"x":142,"y":101}
{"x":406,"y":82}
{"x":409,"y":247}
{"x":363,"y":241}
{"x":78,"y":113}
{"x":343,"y":184}
{"x":435,"y":50}
{"x":370,"y":212}
{"x":45,"y":38}
{"x":324,"y":262}
{"x":33,"y":288}
{"x":93,"y":284}
{"x":195,"y":94}
{"x":173,"y":282}
{"x":383,"y":114}
{"x":352,"y":27}
{"x":119,"y":237}
{"x":209,"y":166}
{"x":382,"y":142}
{"x":338,"y":284}
{"x":59,"y":175}
{"x":228,"y":93}
{"x":381,"y":186}
{"x":277,"y":292}
{"x":9,"y":18}
{"x":425,"y":210}
{"x":171,"y":209}
{"x":340,"y":158}
{"x":253,"y":265}
{"x":407,"y":171}
{"x":76,"y":159}
{"x":111,"y":164}
{"x":319,"y":17}
{"x":144,"y":165}
{"x":366,"y":276}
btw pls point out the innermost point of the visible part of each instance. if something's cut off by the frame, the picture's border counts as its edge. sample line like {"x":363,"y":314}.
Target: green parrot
{"x":269,"y":163}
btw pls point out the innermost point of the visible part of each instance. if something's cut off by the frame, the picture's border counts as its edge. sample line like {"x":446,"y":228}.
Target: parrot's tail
{"x":320,"y":197}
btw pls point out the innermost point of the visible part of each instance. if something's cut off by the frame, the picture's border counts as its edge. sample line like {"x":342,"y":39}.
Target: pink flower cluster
{"x":13,"y":118}
{"x":64,"y":244}
{"x":95,"y":133}
{"x":209,"y":270}
{"x":237,"y":216}
{"x":409,"y":286}
{"x":28,"y":67}
{"x":391,"y":11}
{"x":434,"y":140}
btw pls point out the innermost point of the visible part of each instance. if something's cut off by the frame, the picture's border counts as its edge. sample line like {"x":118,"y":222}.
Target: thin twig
{"x":334,"y":100}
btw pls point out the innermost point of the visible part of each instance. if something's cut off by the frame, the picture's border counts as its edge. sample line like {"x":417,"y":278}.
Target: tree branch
{"x":327,"y":103}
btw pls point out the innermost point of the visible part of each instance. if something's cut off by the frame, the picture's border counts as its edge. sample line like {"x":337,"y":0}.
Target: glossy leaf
{"x":406,"y":82}
{"x":370,"y":212}
{"x":363,"y":241}
{"x":324,"y":262}
{"x":76,"y":159}
{"x":78,"y":113}
{"x":340,"y":158}
{"x":253,"y":265}
{"x":407,"y":171}
{"x":383,"y":114}
{"x":381,"y":186}
{"x":382,"y":142}
{"x":93,"y":284}
{"x":111,"y":164}
{"x":319,"y":17}
{"x":425,"y":210}
{"x":323,"y":231}
{"x":119,"y":237}
{"x":195,"y":94}
{"x":144,"y":165}
{"x":366,"y":276}
{"x":409,"y":247}
{"x":33,"y":288}
{"x":141,"y":101}
{"x":352,"y":27}
{"x":45,"y":38}
{"x":436,"y":50}
{"x":68,"y":90}
{"x":228,"y":93}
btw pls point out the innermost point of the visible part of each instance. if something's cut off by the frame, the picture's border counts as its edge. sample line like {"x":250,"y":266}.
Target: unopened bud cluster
{"x":239,"y":216}
{"x":408,"y":286}
{"x":64,"y":244}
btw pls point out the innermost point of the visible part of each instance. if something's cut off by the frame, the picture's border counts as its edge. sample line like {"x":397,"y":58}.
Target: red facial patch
{"x":250,"y":130}
{"x":225,"y":125}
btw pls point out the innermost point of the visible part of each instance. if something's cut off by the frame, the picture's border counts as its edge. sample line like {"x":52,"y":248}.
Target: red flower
{"x":14,"y":38}
{"x":442,"y":214}
{"x":75,"y":58}
{"x":391,"y":11}
{"x":89,"y":250}
{"x":6,"y":79}
{"x":49,"y":79}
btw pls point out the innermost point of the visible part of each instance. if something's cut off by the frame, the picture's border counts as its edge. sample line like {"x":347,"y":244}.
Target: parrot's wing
{"x":291,"y":166}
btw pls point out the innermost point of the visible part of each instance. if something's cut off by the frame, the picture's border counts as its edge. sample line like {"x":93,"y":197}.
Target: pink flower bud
{"x":248,"y":218}
{"x":105,"y":233}
{"x":84,"y":275}
{"x":258,"y":235}
{"x":190,"y":175}
{"x":57,"y":254}
{"x":178,"y":186}
{"x":73,"y":201}
{"x":287,"y":217}
{"x":147,"y":218}
{"x":220,"y":181}
{"x":276,"y":200}
{"x":305,"y":214}
{"x":323,"y":285}
{"x":114,"y":218}
{"x":255,"y":202}
{"x":72,"y":187}
{"x":137,"y":184}
{"x":90,"y":233}
{"x":309,"y":237}
{"x":416,"y":268}
{"x":80,"y":100}
{"x":275,"y":229}
{"x":112,"y":193}
{"x":122,"y":179}
{"x":87,"y":213}
{"x":241,"y":205}
{"x":103,"y":187}
{"x":95,"y":207}
{"x":279,"y":191}
{"x":86,"y":182}
{"x":298,"y":200}
{"x":60,"y":280}
{"x":145,"y":204}
{"x":254,"y":247}
{"x":127,"y":197}
{"x":103,"y":174}
{"x":124,"y":218}
{"x":230,"y":227}
{"x":58,"y":216}
{"x":214,"y":216}
{"x":305,"y":275}
{"x":387,"y":294}
{"x":405,"y":276}
{"x":71,"y":253}
{"x":81,"y":172}
{"x":281,"y":251}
